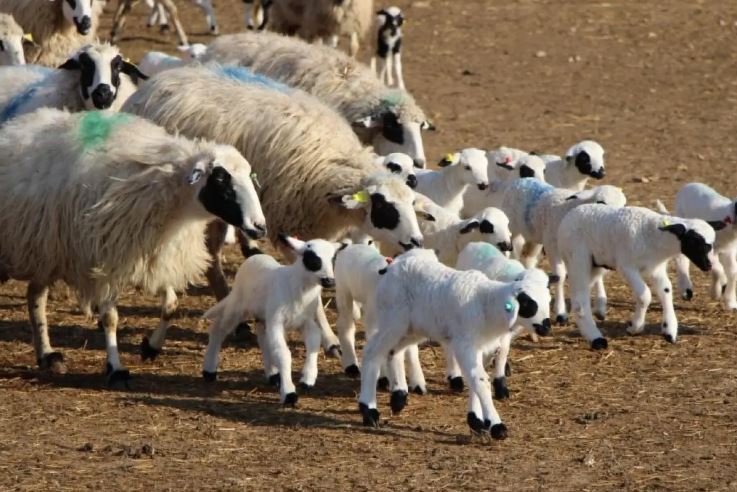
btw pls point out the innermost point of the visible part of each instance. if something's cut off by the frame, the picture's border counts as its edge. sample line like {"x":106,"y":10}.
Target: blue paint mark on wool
{"x":534,"y":191}
{"x":240,"y":74}
{"x":15,"y":104}
{"x":511,"y":269}
{"x":488,"y":251}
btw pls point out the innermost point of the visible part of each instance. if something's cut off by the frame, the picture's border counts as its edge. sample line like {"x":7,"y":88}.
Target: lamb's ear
{"x":527,"y":306}
{"x":132,"y":71}
{"x":572,"y":197}
{"x":505,"y":165}
{"x":427,"y":124}
{"x":292,"y":242}
{"x":422,"y":215}
{"x":717,"y":225}
{"x":448,"y":159}
{"x":677,"y":229}
{"x":366,"y":122}
{"x":360,"y":199}
{"x":70,"y":64}
{"x":470,"y":226}
{"x":200,"y":168}
{"x":570,"y":159}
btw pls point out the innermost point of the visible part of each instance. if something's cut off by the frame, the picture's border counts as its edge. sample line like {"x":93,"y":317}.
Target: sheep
{"x":388,"y":119}
{"x":158,"y":14}
{"x":124,"y":7}
{"x":582,"y":161}
{"x":154,"y":62}
{"x":282,"y":298}
{"x":105,"y":200}
{"x":96,"y":77}
{"x":636,"y":242}
{"x":323,"y":20}
{"x":389,"y":46}
{"x":418,"y":297}
{"x":697,"y":200}
{"x":458,"y":170}
{"x":58,"y":27}
{"x":11,"y":41}
{"x":316,"y":178}
{"x":400,"y":164}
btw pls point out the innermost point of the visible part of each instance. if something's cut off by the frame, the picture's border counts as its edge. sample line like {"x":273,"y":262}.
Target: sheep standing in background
{"x":582,"y":161}
{"x":636,"y":242}
{"x":11,"y":41}
{"x":388,"y":119}
{"x":158,"y":14}
{"x":388,"y":58}
{"x":58,"y":27}
{"x":124,"y":7}
{"x":104,"y":201}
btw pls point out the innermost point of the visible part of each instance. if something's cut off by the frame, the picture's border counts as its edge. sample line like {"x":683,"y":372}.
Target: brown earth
{"x":655,"y":82}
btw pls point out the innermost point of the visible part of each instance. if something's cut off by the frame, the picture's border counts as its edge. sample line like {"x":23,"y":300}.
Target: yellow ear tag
{"x":666,"y":222}
{"x":450,"y":157}
{"x":361,"y":196}
{"x":28,"y":37}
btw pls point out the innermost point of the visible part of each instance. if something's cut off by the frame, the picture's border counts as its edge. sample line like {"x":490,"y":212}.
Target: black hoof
{"x":600,"y":316}
{"x":370,"y":415}
{"x":275,"y":380}
{"x":456,"y":383}
{"x":501,"y":392}
{"x":333,"y":352}
{"x":304,"y":387}
{"x":669,"y":338}
{"x":382,"y":383}
{"x":147,"y":351}
{"x":507,"y":369}
{"x":599,"y":344}
{"x":476,"y":424}
{"x":561,"y":319}
{"x":419,"y":390}
{"x":398,"y":401}
{"x":499,"y":431}
{"x":53,"y":362}
{"x":116,"y":376}
{"x":209,"y":377}
{"x":291,"y":399}
{"x":688,"y":295}
{"x":353,"y":371}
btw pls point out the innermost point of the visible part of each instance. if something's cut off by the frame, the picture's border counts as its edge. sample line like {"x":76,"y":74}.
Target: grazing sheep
{"x":124,"y":7}
{"x":699,"y":201}
{"x":418,"y":298}
{"x":11,"y":41}
{"x":154,"y":62}
{"x":389,"y":46}
{"x":458,"y":170}
{"x":582,"y":161}
{"x":103,"y":201}
{"x":96,"y":77}
{"x":388,"y":119}
{"x":283,"y":298}
{"x":58,"y":27}
{"x":634,"y":241}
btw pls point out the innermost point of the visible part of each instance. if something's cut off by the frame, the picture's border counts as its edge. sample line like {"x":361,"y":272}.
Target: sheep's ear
{"x":470,"y":226}
{"x":360,"y":199}
{"x":570,"y":159}
{"x":292,"y":242}
{"x":427,"y":124}
{"x":366,"y":122}
{"x":527,"y":306}
{"x":717,"y":225}
{"x":132,"y":71}
{"x":572,"y":197}
{"x":70,"y":64}
{"x":449,"y":159}
{"x":422,"y":215}
{"x":505,"y":165}
{"x":200,"y":168}
{"x":676,"y":229}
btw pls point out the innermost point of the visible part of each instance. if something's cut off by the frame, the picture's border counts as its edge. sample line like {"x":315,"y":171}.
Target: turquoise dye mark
{"x":511,"y":269}
{"x":535,"y":190}
{"x":12,"y":109}
{"x":244,"y":75}
{"x":392,"y":99}
{"x":96,"y":126}
{"x":488,"y":251}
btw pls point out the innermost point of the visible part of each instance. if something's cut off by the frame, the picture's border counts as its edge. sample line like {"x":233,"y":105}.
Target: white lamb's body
{"x":697,"y":200}
{"x":50,"y":22}
{"x":636,"y":242}
{"x":11,"y":41}
{"x":349,"y":87}
{"x":502,"y":165}
{"x":154,"y":62}
{"x":104,"y":201}
{"x":582,"y":161}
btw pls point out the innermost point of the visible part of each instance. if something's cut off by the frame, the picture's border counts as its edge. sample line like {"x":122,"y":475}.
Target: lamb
{"x":316,"y":178}
{"x":103,"y":201}
{"x":388,"y":119}
{"x":11,"y":41}
{"x":389,"y":46}
{"x":400,"y":164}
{"x":58,"y":27}
{"x":124,"y":7}
{"x":636,"y":242}
{"x":282,"y":298}
{"x":418,"y":297}
{"x":96,"y":77}
{"x":154,"y":62}
{"x":583,"y":160}
{"x":458,"y":170}
{"x":323,"y":20}
{"x":697,"y":200}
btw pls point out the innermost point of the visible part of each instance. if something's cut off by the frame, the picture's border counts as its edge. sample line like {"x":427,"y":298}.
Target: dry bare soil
{"x":655,"y":82}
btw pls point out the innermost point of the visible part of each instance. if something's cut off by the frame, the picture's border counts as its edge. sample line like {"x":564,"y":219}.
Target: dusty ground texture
{"x":655,"y":82}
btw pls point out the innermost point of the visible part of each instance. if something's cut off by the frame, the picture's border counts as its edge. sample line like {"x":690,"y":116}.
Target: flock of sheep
{"x":117,"y":176}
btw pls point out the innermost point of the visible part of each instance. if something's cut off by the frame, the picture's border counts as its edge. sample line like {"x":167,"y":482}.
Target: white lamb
{"x":11,"y":41}
{"x":58,"y":27}
{"x":636,"y":242}
{"x":154,"y":62}
{"x":105,"y":201}
{"x":418,"y":298}
{"x":697,"y":200}
{"x":282,"y":298}
{"x":389,"y":46}
{"x":459,"y":170}
{"x":582,"y":161}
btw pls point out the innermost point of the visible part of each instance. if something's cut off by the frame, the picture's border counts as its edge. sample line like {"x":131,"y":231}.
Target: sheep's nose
{"x":483,"y":186}
{"x":543,"y":329}
{"x":103,"y":96}
{"x":327,"y":282}
{"x":84,"y":25}
{"x":419,"y":163}
{"x":504,"y":246}
{"x":598,"y":174}
{"x":416,"y":242}
{"x":412,"y":181}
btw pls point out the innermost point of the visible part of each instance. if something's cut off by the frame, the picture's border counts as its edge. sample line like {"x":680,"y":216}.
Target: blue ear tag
{"x":509,"y":306}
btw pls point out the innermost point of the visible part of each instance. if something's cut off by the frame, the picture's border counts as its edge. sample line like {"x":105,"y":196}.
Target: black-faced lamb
{"x":582,"y":161}
{"x":389,"y":46}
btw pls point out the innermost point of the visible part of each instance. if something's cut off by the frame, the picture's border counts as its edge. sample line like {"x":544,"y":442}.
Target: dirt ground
{"x":654,"y":82}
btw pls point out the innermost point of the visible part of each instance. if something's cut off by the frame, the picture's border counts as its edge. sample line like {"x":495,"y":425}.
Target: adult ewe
{"x":104,"y":201}
{"x":388,"y":119}
{"x":58,"y":27}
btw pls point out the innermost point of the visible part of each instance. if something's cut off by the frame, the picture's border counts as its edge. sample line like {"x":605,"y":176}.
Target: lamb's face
{"x":503,"y":161}
{"x":402,"y":165}
{"x":610,"y":195}
{"x":588,"y":157}
{"x":475,"y":166}
{"x":494,"y":228}
{"x":11,"y":42}
{"x":78,"y":13}
{"x":396,"y":136}
{"x":533,"y":296}
{"x":316,"y":256}
{"x":389,"y":20}
{"x":228,"y":192}
{"x":100,"y":67}
{"x":696,"y":238}
{"x":531,"y":166}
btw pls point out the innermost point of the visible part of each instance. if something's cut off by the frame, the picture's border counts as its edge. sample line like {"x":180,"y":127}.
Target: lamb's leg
{"x":388,"y":76}
{"x":501,"y":391}
{"x":171,"y":10}
{"x":151,"y":347}
{"x":470,"y":360}
{"x":311,"y":334}
{"x":153,"y":16}
{"x":276,"y":342}
{"x":46,"y":356}
{"x":598,"y":283}
{"x":417,"y":383}
{"x":642,"y":300}
{"x":729,"y":260}
{"x":518,"y":244}
{"x":531,"y":253}
{"x":398,"y":70}
{"x":329,"y":341}
{"x":685,"y":287}
{"x":559,"y":280}
{"x":114,"y":370}
{"x":124,"y":7}
{"x":454,"y":377}
{"x":397,"y":379}
{"x":209,"y":11}
{"x":219,"y":330}
{"x":664,"y":291}
{"x":718,"y":278}
{"x":270,"y":370}
{"x":580,"y":279}
{"x":354,"y":44}
{"x":215,"y":276}
{"x":381,"y":72}
{"x":346,"y":328}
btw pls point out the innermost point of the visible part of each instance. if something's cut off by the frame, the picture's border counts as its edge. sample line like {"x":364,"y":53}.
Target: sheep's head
{"x":224,"y":186}
{"x":492,"y":226}
{"x":696,"y":238}
{"x":316,"y":256}
{"x":79,"y":14}
{"x":474,"y":164}
{"x":389,"y":208}
{"x":531,"y":166}
{"x":604,"y":195}
{"x":401,"y":165}
{"x":389,"y":19}
{"x":588,"y":157}
{"x":11,"y":41}
{"x":532,"y":294}
{"x":100,"y":66}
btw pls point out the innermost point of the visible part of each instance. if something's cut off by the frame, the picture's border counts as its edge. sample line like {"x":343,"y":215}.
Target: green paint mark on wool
{"x":392,"y":98}
{"x":96,"y":126}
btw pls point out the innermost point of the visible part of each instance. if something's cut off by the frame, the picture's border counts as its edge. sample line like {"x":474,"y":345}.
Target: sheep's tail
{"x":661,"y":208}
{"x":217,"y":310}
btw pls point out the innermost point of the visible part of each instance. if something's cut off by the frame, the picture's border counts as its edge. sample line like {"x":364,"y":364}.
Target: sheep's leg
{"x":311,"y":334}
{"x":329,"y":341}
{"x":354,"y":44}
{"x":501,"y":391}
{"x":398,"y":70}
{"x":559,"y":279}
{"x":381,"y":70}
{"x":598,"y":283}
{"x":332,"y":41}
{"x":729,"y":260}
{"x":416,"y":377}
{"x":580,"y":279}
{"x":153,"y":16}
{"x":685,"y":287}
{"x":124,"y":7}
{"x":518,"y":244}
{"x":397,"y":379}
{"x":718,"y":278}
{"x":171,"y":10}
{"x":276,"y":342}
{"x":531,"y":253}
{"x":388,"y":76}
{"x":270,"y":370}
{"x":209,"y":11}
{"x":664,"y":291}
{"x":346,"y":328}
{"x":220,"y":329}
{"x":642,"y":300}
{"x":46,"y":356}
{"x":114,"y":370}
{"x":470,"y":360}
{"x":151,"y":347}
{"x":215,"y":276}
{"x":454,"y":377}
